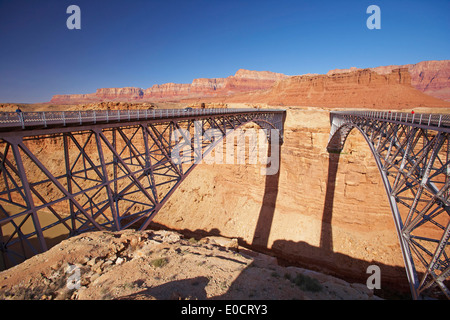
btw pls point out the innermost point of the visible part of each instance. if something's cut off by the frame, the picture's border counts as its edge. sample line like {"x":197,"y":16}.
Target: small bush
{"x":193,"y":240}
{"x":159,"y":263}
{"x":307,"y":283}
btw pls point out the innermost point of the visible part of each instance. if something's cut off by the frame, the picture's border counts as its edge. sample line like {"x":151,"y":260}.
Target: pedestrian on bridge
{"x":20,"y":114}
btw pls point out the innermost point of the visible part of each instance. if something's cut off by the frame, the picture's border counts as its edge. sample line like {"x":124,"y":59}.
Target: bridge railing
{"x":427,"y":119}
{"x":32,"y":119}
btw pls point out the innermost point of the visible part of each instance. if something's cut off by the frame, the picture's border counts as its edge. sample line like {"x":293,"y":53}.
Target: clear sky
{"x":142,"y":43}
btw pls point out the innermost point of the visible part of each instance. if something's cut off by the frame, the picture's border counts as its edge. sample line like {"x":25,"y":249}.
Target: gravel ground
{"x":162,"y":265}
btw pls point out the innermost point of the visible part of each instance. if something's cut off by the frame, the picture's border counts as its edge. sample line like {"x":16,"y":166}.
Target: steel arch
{"x":412,"y":157}
{"x":115,"y":170}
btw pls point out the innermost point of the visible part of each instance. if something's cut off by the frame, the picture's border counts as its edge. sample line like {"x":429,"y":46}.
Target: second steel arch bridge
{"x":412,"y":152}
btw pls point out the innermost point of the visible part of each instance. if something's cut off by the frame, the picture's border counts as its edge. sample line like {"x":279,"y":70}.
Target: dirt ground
{"x":163,"y":265}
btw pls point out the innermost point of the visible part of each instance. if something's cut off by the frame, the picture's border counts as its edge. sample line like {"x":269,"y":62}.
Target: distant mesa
{"x":425,"y":84}
{"x":356,"y":89}
{"x":430,"y":77}
{"x":242,"y":81}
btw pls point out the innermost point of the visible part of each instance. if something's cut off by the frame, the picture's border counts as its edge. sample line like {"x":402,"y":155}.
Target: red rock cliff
{"x":242,"y":81}
{"x":431,"y":77}
{"x":356,"y":88}
{"x":130,"y":93}
{"x":405,"y":86}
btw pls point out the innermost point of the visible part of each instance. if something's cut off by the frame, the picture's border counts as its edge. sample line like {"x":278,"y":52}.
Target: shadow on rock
{"x":193,"y":288}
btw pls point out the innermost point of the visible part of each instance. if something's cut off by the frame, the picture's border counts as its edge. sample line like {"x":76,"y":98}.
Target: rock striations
{"x":363,"y":88}
{"x":242,"y":81}
{"x":425,"y":84}
{"x":430,"y":77}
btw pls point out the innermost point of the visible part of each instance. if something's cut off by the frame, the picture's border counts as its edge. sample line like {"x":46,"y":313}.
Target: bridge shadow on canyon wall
{"x":394,"y":283}
{"x":323,"y":259}
{"x":268,"y":205}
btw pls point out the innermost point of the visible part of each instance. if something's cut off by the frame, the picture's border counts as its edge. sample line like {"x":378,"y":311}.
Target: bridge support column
{"x":27,"y":192}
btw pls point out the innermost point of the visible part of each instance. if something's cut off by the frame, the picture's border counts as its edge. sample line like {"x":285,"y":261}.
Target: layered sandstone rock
{"x":385,"y":86}
{"x":127,"y":93}
{"x":430,"y":77}
{"x":350,"y":88}
{"x":242,"y":81}
{"x":74,"y":98}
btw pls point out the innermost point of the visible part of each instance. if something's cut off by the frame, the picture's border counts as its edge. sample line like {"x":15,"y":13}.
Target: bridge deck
{"x":435,"y":121}
{"x":18,"y":121}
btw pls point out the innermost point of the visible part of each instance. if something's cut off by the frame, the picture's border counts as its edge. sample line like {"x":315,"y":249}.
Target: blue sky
{"x":142,"y":43}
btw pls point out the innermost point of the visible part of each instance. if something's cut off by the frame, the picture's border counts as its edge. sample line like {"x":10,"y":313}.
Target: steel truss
{"x":413,"y":156}
{"x":109,"y":171}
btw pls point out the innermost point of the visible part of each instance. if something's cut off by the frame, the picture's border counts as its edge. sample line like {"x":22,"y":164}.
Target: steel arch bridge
{"x":107,"y":170}
{"x":412,"y":152}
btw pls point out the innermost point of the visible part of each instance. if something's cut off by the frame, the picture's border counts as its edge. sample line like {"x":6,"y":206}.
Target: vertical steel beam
{"x":26,"y":188}
{"x":106,"y":181}
{"x":69,"y":180}
{"x":161,"y":147}
{"x":126,"y":167}
{"x":148,"y":163}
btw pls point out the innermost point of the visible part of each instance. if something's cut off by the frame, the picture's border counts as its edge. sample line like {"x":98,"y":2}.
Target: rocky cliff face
{"x":127,"y":93}
{"x":430,"y":77}
{"x":383,"y":86}
{"x":349,"y":88}
{"x":242,"y":81}
{"x":74,"y":98}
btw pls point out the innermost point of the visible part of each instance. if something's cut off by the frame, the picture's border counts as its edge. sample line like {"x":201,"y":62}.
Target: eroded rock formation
{"x":353,"y":89}
{"x":431,"y":77}
{"x":403,"y":86}
{"x":242,"y":81}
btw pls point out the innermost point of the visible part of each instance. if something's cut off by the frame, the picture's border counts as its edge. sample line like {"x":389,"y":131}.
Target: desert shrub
{"x":307,"y":283}
{"x":159,"y":263}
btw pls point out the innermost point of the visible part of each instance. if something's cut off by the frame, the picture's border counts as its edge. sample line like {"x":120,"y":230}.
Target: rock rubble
{"x":135,"y":265}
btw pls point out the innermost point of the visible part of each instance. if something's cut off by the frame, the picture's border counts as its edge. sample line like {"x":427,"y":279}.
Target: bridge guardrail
{"x":427,"y":119}
{"x":45,"y":118}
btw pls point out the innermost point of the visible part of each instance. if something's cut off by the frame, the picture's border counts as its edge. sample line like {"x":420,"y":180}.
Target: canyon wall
{"x":321,"y":210}
{"x":127,"y":93}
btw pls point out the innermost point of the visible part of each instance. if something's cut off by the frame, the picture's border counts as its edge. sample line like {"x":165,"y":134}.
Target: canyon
{"x":322,"y":211}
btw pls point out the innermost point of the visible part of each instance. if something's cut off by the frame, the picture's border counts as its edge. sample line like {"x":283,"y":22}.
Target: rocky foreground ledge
{"x":149,"y":265}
